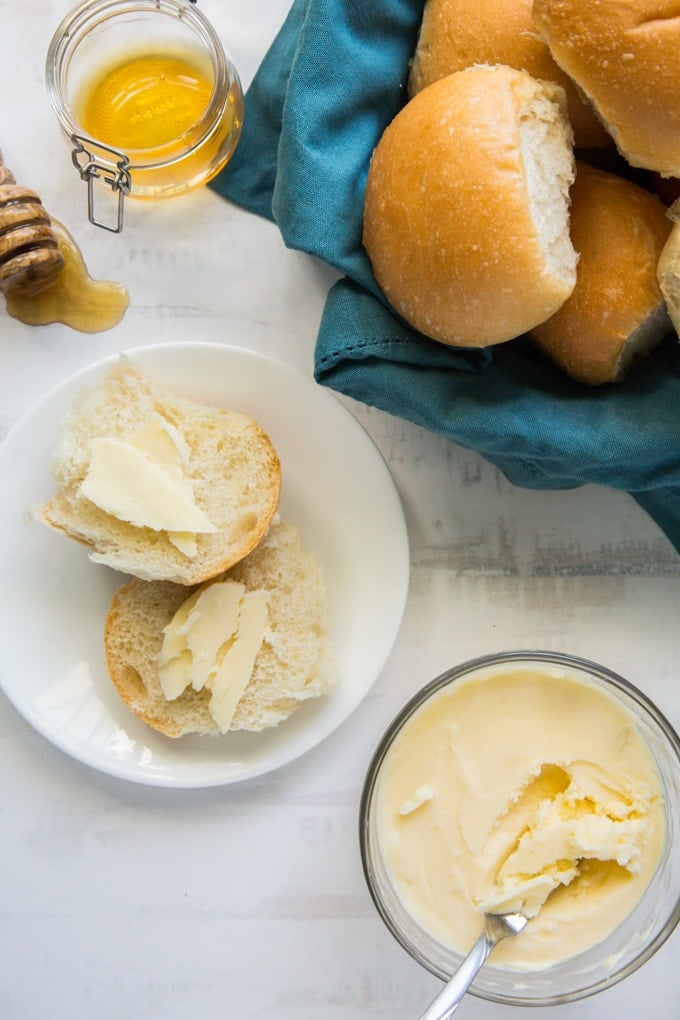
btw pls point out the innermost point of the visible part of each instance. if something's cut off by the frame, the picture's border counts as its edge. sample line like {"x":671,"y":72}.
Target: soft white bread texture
{"x":668,"y":269}
{"x":232,"y":467}
{"x":466,"y":210}
{"x":456,"y":34}
{"x":616,"y":314}
{"x":295,"y":662}
{"x":623,"y":55}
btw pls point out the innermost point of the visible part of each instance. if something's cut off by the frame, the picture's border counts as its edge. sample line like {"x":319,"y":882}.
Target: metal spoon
{"x":496,"y":928}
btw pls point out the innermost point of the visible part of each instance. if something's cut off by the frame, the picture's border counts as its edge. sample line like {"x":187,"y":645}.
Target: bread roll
{"x":623,"y":56}
{"x":232,"y":467}
{"x":668,"y":269}
{"x":466,"y":207}
{"x":294,"y":664}
{"x":456,"y":34}
{"x":616,"y":314}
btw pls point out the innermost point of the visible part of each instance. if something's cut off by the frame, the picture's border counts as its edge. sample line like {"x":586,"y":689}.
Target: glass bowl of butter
{"x":534,"y":781}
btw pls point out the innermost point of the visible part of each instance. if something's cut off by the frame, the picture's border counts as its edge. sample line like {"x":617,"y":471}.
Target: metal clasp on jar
{"x":95,"y":161}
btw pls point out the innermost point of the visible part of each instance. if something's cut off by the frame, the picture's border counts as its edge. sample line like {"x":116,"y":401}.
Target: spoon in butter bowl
{"x":496,"y":928}
{"x":513,"y":902}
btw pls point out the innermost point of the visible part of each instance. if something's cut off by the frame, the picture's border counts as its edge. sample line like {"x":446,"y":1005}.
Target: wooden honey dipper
{"x":30,"y":259}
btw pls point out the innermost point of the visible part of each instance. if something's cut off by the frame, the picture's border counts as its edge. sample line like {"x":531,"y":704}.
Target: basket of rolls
{"x":497,"y":185}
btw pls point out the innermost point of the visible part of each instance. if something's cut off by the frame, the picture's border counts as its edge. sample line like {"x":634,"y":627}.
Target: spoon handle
{"x":451,"y":995}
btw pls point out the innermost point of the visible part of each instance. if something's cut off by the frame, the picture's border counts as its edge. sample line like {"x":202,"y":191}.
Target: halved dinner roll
{"x":293,"y":663}
{"x":160,"y":486}
{"x":466,"y":216}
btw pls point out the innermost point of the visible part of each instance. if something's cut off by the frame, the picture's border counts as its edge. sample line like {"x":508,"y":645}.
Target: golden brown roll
{"x":466,"y":209}
{"x":456,"y":34}
{"x":623,"y":56}
{"x":616,"y":314}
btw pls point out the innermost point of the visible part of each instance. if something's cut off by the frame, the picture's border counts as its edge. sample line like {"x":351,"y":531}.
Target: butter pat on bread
{"x":293,"y":658}
{"x":160,"y":486}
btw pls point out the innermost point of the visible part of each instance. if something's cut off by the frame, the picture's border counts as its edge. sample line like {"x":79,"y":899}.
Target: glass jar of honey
{"x":148,"y":96}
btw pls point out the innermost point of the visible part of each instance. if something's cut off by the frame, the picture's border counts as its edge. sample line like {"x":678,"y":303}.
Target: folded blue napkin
{"x":330,"y":83}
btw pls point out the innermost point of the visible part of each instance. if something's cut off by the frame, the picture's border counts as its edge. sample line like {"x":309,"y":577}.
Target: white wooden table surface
{"x":120,"y":900}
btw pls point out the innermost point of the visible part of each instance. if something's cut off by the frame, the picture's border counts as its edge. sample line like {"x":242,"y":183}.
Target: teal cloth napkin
{"x":330,"y":83}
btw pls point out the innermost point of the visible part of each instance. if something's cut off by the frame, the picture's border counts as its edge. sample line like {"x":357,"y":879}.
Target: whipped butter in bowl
{"x":529,"y":781}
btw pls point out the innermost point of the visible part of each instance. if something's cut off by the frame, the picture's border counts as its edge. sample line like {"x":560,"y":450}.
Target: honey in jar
{"x":147,"y":94}
{"x":145,"y":102}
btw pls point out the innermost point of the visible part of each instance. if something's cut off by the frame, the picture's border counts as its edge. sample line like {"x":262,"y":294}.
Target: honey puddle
{"x":74,"y":299}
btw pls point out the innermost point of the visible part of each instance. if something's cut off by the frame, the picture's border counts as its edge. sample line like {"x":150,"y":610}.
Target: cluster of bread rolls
{"x":524,"y":187}
{"x":128,"y":454}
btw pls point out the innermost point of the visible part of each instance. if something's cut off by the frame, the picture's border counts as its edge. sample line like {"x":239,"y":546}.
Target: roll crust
{"x":616,"y":314}
{"x":456,"y":34}
{"x":466,"y":208}
{"x":623,"y":56}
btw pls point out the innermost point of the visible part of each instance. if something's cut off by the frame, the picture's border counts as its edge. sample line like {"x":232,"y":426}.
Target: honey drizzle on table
{"x":74,"y":299}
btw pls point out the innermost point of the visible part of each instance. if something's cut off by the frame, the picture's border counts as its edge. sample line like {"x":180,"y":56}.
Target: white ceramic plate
{"x":336,"y":489}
